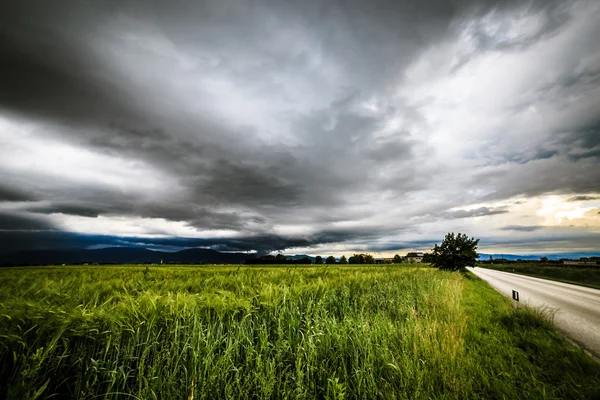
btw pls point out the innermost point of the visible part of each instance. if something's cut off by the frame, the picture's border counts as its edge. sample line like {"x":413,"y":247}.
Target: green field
{"x":586,"y":276}
{"x":276,"y":332}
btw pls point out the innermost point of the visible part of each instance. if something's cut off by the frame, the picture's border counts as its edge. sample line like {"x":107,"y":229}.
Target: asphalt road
{"x":577,"y":307}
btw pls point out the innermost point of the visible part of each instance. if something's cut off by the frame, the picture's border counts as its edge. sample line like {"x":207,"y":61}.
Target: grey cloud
{"x":248,"y":184}
{"x":594,"y":154}
{"x":478,"y":212}
{"x":584,"y":240}
{"x":584,"y":198}
{"x":264,"y":242}
{"x":554,"y":175}
{"x":65,"y":208}
{"x":66,"y":71}
{"x":21,"y":222}
{"x":554,"y":14}
{"x":44,"y":80}
{"x":544,"y":153}
{"x":525,"y":157}
{"x":521,"y":228}
{"x":589,"y":134}
{"x":10,"y":194}
{"x":194,"y":215}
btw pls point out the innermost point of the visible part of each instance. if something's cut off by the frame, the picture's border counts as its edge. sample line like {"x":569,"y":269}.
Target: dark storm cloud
{"x":554,"y":175}
{"x":13,"y":241}
{"x":19,"y":222}
{"x":44,"y":75}
{"x":261,"y":243}
{"x":69,"y":209}
{"x":11,"y":194}
{"x":249,"y":184}
{"x":119,"y":79}
{"x":194,"y":215}
{"x":50,"y":69}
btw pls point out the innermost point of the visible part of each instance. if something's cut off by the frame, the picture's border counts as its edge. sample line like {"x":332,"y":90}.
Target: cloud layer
{"x":306,"y":126}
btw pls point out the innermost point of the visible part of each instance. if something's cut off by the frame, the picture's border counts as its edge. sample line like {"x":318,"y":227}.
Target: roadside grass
{"x":586,"y":276}
{"x":349,"y":332}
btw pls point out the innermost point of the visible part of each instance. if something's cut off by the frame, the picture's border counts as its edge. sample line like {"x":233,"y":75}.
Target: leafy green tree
{"x":544,"y":259}
{"x":362,"y":259}
{"x":330,"y":260}
{"x":280,"y":257}
{"x":318,"y":260}
{"x":427,"y":258}
{"x":343,"y":260}
{"x":397,"y":259}
{"x":455,"y":253}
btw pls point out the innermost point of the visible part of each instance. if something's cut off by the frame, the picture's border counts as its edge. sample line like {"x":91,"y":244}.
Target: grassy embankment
{"x":579,"y":275}
{"x":252,"y":332}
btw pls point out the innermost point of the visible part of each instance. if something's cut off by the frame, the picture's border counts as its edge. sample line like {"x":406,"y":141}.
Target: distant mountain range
{"x":122,"y":255}
{"x":572,"y":255}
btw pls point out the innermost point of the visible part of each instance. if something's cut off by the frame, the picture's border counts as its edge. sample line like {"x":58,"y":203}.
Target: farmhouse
{"x":414,"y":258}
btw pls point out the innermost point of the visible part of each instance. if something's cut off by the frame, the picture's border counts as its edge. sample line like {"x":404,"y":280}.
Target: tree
{"x":318,"y":260}
{"x":362,"y":259}
{"x":397,"y":259}
{"x":455,"y":253}
{"x":354,"y":259}
{"x":544,"y":259}
{"x":330,"y":260}
{"x":343,"y":260}
{"x":280,"y":257}
{"x":427,"y":258}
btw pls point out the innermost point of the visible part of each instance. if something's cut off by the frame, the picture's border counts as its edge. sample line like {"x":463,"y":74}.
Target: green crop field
{"x":579,"y":275}
{"x":257,"y":332}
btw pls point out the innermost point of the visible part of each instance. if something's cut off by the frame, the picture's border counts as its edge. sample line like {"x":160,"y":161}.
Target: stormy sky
{"x":319,"y":127}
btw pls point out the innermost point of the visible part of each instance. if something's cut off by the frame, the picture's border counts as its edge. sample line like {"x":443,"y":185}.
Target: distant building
{"x":414,"y":258}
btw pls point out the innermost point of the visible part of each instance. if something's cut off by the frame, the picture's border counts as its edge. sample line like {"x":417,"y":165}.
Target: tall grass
{"x":286,"y":332}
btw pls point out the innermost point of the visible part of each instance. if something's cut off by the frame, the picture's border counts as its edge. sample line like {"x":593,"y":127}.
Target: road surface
{"x":577,"y":307}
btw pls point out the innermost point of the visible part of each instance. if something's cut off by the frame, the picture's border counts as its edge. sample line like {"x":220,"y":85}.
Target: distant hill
{"x":572,"y":255}
{"x":300,"y":257}
{"x":122,"y":255}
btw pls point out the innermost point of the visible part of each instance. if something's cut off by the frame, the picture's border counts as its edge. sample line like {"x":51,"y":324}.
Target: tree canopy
{"x":318,"y":260}
{"x":455,"y":253}
{"x":362,"y":259}
{"x":330,"y":260}
{"x":397,"y":259}
{"x":343,"y":260}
